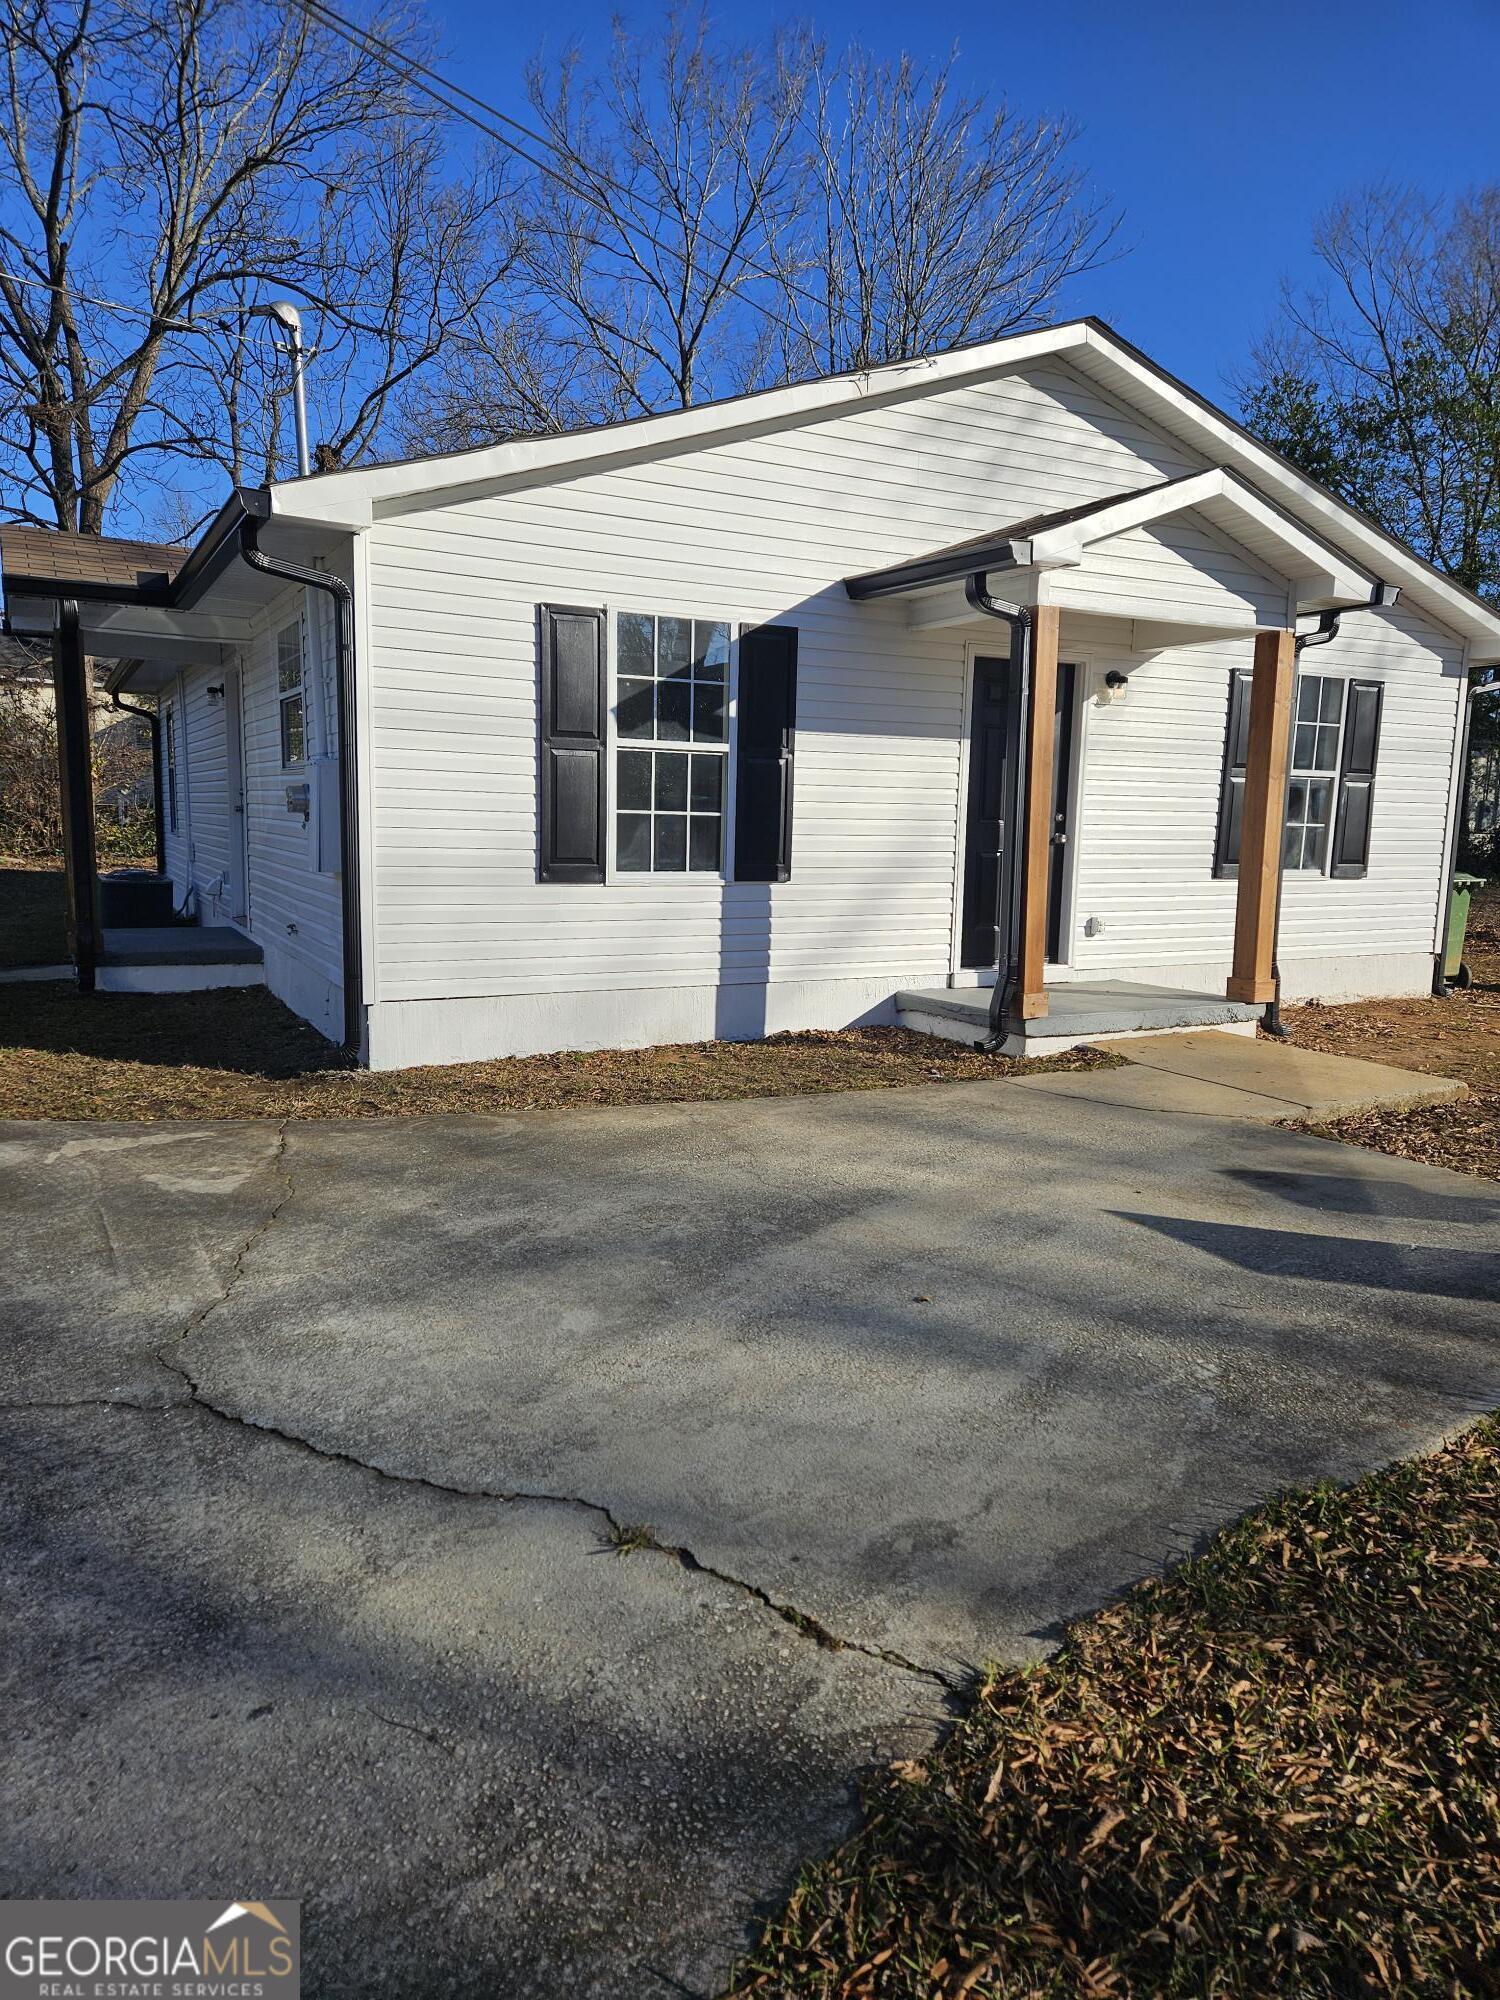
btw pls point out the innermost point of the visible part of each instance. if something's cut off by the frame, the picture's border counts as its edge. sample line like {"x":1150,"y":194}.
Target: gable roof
{"x":353,"y":499}
{"x":1050,"y":541}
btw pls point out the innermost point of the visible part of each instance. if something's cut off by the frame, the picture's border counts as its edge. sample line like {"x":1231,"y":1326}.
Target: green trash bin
{"x":1454,"y":970}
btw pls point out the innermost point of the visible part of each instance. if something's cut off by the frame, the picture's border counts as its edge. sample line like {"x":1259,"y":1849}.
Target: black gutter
{"x":1490,"y":684}
{"x":152,"y":716}
{"x":76,"y":775}
{"x":343,"y":611}
{"x":939,"y":568}
{"x":218,"y":547}
{"x":1009,"y":884}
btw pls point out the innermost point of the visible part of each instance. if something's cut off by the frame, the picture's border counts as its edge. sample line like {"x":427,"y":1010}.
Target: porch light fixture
{"x":1115,"y":685}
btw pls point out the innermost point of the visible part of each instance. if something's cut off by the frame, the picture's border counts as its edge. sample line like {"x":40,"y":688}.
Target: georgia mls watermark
{"x":150,"y":1951}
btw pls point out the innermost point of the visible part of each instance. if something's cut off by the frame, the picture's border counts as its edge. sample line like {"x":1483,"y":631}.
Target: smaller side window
{"x":289,"y":691}
{"x":169,"y":753}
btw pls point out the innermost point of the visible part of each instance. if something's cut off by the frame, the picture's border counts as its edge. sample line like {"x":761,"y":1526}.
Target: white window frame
{"x":615,"y":743}
{"x":1315,"y":774}
{"x":284,"y":695}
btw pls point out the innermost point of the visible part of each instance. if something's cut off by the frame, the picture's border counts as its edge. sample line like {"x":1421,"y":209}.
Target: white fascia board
{"x":1187,"y":418}
{"x":353,"y":499}
{"x":1065,"y":544}
{"x":1302,"y":555}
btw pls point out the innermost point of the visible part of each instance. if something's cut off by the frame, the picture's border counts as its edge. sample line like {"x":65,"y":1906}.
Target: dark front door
{"x":994,"y":760}
{"x":1062,"y":795}
{"x":994,"y":732}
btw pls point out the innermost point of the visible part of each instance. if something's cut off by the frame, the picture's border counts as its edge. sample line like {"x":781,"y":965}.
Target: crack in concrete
{"x":430,"y":1736}
{"x":616,"y":1531}
{"x":195,"y":1319}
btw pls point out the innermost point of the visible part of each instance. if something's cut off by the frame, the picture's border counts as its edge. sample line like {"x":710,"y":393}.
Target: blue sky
{"x":1220,"y":129}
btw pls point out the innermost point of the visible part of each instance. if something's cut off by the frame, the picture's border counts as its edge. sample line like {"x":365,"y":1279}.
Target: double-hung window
{"x":672,"y":744}
{"x":1330,"y":776}
{"x":1317,"y":731}
{"x":291,"y":694}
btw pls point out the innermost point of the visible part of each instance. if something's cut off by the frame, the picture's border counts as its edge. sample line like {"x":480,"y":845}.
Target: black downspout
{"x":343,"y":613}
{"x":1324,"y":634}
{"x":1008,"y":888}
{"x":152,"y":716}
{"x":76,"y":774}
{"x":1489,"y":685}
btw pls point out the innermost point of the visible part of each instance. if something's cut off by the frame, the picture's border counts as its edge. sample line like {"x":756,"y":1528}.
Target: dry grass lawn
{"x":1274,"y":1772}
{"x":241,"y":1054}
{"x":1458,"y":1036}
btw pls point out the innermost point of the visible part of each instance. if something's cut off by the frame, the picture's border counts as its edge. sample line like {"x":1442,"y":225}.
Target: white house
{"x":846,"y":702}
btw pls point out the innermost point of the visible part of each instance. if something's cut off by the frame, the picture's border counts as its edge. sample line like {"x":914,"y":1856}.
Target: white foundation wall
{"x":292,"y":907}
{"x":1147,"y":813}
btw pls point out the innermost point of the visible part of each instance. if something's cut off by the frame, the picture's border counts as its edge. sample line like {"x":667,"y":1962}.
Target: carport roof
{"x":49,"y":562}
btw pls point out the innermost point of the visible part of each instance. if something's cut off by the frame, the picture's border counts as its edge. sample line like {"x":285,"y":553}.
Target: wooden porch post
{"x":70,"y":680}
{"x":1263,"y":817}
{"x":1036,"y":822}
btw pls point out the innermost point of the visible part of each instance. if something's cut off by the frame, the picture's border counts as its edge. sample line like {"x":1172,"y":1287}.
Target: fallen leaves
{"x":240,"y":1054}
{"x":1275,"y":1771}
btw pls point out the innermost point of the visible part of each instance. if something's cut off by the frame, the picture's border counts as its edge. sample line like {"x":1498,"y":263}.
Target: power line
{"x":119,"y":306}
{"x":435,"y":84}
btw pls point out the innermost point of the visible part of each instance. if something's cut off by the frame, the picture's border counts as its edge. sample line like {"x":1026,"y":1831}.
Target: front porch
{"x":1092,"y":1010}
{"x":1193,"y":577}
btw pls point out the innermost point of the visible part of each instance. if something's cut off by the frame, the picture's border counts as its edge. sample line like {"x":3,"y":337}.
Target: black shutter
{"x":1232,"y":784}
{"x":571,"y":710}
{"x":1351,"y":827}
{"x":766,"y":728}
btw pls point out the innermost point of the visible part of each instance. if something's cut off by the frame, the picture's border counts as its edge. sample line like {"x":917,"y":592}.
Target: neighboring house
{"x":705,"y":724}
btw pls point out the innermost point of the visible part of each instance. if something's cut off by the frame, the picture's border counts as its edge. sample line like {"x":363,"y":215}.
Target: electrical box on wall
{"x":325,"y":778}
{"x":298,"y":800}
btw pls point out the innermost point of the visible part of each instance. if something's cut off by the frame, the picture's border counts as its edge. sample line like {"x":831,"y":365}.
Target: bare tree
{"x":931,"y":216}
{"x":708,"y":217}
{"x":165,"y":165}
{"x":1383,"y":379}
{"x":644,"y":237}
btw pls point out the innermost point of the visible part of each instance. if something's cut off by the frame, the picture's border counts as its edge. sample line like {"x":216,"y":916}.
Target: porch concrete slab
{"x":1080,"y":1008}
{"x":1259,"y":1078}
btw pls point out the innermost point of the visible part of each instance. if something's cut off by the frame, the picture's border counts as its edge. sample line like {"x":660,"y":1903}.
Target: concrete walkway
{"x":1239,"y":1076}
{"x":317,"y":1440}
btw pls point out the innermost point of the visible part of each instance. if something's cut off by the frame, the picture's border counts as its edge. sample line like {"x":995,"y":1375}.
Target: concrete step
{"x":180,"y":944}
{"x":1077,"y":1011}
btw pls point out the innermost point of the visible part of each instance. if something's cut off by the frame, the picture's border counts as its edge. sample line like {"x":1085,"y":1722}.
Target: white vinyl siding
{"x":762,"y":529}
{"x":292,"y":910}
{"x":1152,"y":764}
{"x":757,"y":531}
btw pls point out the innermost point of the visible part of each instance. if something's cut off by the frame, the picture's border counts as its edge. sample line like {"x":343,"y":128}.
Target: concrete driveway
{"x":316,"y":1441}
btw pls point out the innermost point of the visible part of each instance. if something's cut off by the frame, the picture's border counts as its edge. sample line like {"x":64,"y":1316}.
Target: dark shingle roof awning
{"x":48,"y":562}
